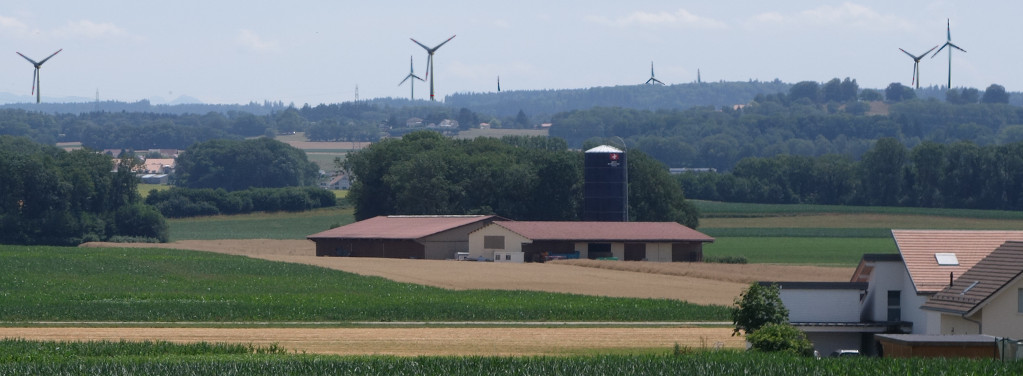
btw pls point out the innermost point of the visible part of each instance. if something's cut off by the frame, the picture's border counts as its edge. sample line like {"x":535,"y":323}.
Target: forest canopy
{"x":50,"y":196}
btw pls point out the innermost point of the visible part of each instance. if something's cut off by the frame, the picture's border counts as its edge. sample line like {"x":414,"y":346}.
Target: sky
{"x":312,"y":52}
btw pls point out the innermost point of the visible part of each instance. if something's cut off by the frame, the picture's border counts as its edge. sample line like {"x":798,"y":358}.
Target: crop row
{"x":128,"y":358}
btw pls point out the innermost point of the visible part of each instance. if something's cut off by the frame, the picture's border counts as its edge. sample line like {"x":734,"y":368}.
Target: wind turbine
{"x":411,"y":74}
{"x":916,"y":64}
{"x":429,"y":60}
{"x":653,"y":80}
{"x":950,"y":45}
{"x":498,"y":84}
{"x":36,"y":89}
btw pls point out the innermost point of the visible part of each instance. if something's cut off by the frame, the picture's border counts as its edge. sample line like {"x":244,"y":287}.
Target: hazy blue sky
{"x":222,"y":51}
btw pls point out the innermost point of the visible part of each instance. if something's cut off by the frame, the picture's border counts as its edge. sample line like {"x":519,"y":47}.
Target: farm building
{"x":631,"y":241}
{"x":398,"y":236}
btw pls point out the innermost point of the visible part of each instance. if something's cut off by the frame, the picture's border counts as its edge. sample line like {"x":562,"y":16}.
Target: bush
{"x":780,"y":337}
{"x":759,"y":305}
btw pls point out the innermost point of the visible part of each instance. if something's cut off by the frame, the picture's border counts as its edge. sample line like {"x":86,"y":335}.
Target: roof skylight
{"x":946,"y":259}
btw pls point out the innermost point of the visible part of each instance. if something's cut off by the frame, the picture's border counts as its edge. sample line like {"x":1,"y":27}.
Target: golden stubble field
{"x":696,"y":282}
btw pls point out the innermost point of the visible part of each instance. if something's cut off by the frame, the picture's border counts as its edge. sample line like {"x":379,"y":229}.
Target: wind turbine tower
{"x":916,"y":64}
{"x":429,"y":60}
{"x":653,"y":80}
{"x":411,"y":75}
{"x":36,"y":89}
{"x":950,"y":45}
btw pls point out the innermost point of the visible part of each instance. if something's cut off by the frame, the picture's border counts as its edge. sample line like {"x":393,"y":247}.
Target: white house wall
{"x":819,"y":305}
{"x":892,"y":275}
{"x":1001,"y":315}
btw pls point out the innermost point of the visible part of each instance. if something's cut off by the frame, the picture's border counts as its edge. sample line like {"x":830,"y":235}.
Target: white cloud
{"x":250,"y":40}
{"x":844,"y":15}
{"x":13,"y":26}
{"x":680,"y":17}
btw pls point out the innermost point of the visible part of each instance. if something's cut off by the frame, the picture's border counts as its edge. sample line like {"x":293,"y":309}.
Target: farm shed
{"x":937,"y":346}
{"x":401,"y":236}
{"x":630,"y":241}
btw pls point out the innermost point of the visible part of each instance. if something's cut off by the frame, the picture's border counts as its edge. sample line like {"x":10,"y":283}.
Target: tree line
{"x":50,"y":196}
{"x":956,"y":175}
{"x":810,"y":120}
{"x":521,"y":178}
{"x":180,"y":202}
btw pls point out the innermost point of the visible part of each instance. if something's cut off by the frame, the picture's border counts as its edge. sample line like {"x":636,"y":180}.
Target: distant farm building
{"x":397,"y":236}
{"x":631,"y":241}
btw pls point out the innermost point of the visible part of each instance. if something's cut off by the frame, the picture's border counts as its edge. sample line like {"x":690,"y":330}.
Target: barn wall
{"x":385,"y":248}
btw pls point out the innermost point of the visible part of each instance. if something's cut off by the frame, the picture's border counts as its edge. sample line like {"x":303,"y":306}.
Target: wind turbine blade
{"x":406,"y":79}
{"x":948,"y":28}
{"x":956,"y":47}
{"x":29,"y":60}
{"x":418,"y":78}
{"x":939,"y":50}
{"x":928,"y":51}
{"x":35,"y":77}
{"x":48,"y":57}
{"x":910,"y":55}
{"x":421,"y":45}
{"x":442,"y":43}
{"x":429,"y":65}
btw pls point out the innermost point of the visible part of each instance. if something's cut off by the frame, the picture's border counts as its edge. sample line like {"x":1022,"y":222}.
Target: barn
{"x":402,"y":236}
{"x":630,"y":241}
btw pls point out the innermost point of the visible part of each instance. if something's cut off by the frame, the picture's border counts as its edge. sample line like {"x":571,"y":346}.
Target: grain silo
{"x":606,"y":189}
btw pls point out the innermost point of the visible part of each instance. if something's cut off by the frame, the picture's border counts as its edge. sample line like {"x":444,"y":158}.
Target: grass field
{"x":284,"y":225}
{"x":165,"y":285}
{"x":160,"y":358}
{"x":799,"y":250}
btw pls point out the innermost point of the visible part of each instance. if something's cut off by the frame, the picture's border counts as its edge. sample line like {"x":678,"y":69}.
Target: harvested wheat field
{"x":412,"y":341}
{"x":693,"y":282}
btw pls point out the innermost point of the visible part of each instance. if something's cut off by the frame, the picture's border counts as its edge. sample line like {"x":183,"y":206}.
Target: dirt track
{"x":694,"y":282}
{"x":411,"y":341}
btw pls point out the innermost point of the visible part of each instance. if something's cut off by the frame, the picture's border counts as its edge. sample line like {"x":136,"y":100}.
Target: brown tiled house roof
{"x":605,"y":231}
{"x":401,"y":227}
{"x":918,"y":249}
{"x":982,"y":282}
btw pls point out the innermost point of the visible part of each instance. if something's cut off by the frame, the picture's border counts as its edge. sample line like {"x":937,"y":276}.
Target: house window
{"x":1019,"y":300}
{"x":493,"y":242}
{"x":894,"y":305}
{"x":507,"y":256}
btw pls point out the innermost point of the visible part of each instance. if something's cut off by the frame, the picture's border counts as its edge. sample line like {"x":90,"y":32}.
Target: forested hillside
{"x":544,"y":103}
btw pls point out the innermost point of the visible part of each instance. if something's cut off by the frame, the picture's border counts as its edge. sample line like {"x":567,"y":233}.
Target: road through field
{"x":412,"y":341}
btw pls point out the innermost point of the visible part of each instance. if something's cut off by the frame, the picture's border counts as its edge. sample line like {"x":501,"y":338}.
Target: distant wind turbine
{"x":498,"y":84}
{"x":653,"y":80}
{"x":412,"y":75}
{"x":950,"y":45}
{"x":36,"y":89}
{"x":916,"y":64}
{"x":429,"y":60}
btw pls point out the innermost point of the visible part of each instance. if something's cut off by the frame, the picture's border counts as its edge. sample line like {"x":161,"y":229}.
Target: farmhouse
{"x":632,"y":241}
{"x":923,"y":290}
{"x":398,"y":236}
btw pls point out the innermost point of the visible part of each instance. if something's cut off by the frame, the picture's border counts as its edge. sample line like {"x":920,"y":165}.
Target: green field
{"x":284,"y":225}
{"x":799,"y":250}
{"x":19,"y":357}
{"x":160,"y":285}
